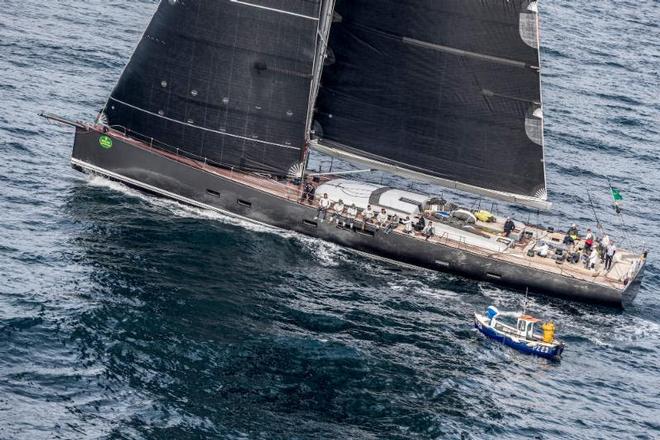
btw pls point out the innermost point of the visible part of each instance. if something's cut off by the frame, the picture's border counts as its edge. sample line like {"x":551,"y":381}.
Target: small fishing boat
{"x":530,"y":335}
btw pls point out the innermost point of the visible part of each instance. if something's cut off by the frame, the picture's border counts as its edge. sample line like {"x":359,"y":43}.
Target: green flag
{"x":616,"y":195}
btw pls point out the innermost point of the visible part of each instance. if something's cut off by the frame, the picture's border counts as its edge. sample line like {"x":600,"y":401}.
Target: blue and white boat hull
{"x":538,"y":348}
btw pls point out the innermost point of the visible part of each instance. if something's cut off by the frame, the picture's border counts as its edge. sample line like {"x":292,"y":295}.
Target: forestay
{"x":448,"y":90}
{"x":227,"y":80}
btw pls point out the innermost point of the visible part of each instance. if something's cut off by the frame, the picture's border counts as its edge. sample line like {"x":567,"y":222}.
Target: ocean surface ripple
{"x":127,"y":316}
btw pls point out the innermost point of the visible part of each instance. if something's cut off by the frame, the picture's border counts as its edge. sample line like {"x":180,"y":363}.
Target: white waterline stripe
{"x":224,"y":133}
{"x":281,"y":11}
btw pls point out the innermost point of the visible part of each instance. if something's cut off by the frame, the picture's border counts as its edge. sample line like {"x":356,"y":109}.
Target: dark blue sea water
{"x":126,"y":316}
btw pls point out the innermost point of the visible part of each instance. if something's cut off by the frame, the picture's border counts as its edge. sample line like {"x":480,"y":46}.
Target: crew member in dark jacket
{"x":509,"y":226}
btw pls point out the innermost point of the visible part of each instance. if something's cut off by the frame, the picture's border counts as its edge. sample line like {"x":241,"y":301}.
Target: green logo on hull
{"x":105,"y":142}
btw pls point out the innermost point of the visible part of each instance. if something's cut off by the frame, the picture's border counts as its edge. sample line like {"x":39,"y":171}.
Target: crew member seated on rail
{"x":367,"y":216}
{"x":509,"y":226}
{"x":351,"y":213}
{"x":407,"y":225}
{"x":394,"y":222}
{"x":429,"y":230}
{"x":324,"y":204}
{"x":421,"y":223}
{"x":338,"y":209}
{"x":382,"y":218}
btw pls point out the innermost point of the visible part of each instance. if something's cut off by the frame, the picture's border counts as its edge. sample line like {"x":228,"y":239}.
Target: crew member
{"x":421,"y":223}
{"x":588,"y":242}
{"x":394,"y":222}
{"x":568,"y":240}
{"x":368,"y":214}
{"x":573,"y":232}
{"x":604,"y":243}
{"x":351,"y":213}
{"x":542,"y":250}
{"x":509,"y":226}
{"x":407,"y":225}
{"x":338,"y":209}
{"x":382,"y":218}
{"x":324,"y":205}
{"x":308,"y":192}
{"x":429,"y":230}
{"x":609,"y":255}
{"x":593,"y":259}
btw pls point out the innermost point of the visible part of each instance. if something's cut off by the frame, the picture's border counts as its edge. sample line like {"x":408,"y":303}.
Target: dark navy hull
{"x":156,"y":173}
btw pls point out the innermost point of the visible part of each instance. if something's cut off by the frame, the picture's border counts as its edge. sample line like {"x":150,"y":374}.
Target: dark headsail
{"x":448,"y":89}
{"x":227,"y":80}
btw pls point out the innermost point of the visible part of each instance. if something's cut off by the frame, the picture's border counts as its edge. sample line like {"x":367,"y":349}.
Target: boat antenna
{"x":525,"y":305}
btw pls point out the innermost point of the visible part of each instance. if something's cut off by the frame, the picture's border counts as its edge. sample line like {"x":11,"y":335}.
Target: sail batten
{"x":466,"y":53}
{"x":280,"y":11}
{"x":449,"y":89}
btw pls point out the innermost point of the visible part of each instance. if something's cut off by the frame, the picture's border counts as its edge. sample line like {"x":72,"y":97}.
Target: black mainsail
{"x":445,"y":89}
{"x":226,"y":80}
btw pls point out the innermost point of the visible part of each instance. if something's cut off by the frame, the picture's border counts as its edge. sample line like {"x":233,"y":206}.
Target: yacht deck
{"x":517,"y":253}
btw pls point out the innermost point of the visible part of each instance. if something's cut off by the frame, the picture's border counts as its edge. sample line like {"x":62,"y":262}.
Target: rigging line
{"x":204,"y":128}
{"x":281,"y":11}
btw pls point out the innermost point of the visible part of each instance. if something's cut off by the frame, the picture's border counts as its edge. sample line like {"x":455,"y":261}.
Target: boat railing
{"x":178,"y":151}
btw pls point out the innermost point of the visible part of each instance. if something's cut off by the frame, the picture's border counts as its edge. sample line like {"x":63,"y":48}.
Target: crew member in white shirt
{"x":609,"y":255}
{"x":351,"y":213}
{"x":324,"y":204}
{"x":382,"y":218}
{"x":407,"y":225}
{"x":338,"y":209}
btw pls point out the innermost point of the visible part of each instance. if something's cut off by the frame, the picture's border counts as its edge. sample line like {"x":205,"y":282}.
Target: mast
{"x":323,"y":32}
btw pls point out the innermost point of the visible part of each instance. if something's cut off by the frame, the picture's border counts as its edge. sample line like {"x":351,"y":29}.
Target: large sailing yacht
{"x":222,"y":100}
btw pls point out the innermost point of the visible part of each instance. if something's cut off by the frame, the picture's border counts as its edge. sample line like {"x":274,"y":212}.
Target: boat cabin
{"x":527,"y":325}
